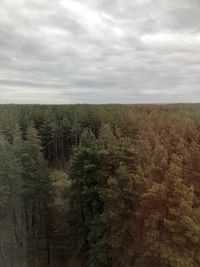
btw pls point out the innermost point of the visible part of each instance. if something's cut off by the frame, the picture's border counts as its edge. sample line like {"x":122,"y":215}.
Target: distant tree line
{"x":100,"y":186}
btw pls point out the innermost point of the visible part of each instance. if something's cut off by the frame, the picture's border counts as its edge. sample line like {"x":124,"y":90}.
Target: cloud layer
{"x":99,"y":51}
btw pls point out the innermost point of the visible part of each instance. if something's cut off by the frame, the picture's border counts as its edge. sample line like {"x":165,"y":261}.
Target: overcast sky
{"x":99,"y":51}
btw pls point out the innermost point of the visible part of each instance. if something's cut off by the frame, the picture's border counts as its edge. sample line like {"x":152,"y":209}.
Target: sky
{"x":99,"y":51}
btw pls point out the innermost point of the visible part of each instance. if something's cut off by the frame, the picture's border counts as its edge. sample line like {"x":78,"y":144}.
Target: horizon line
{"x":98,"y":104}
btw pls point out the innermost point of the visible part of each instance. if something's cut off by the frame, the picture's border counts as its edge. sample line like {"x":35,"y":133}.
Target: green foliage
{"x":86,"y":203}
{"x":130,"y":196}
{"x":101,"y":189}
{"x":35,"y":176}
{"x":171,"y":230}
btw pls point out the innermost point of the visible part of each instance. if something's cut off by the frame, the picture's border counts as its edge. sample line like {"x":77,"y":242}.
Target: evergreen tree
{"x":171,"y":228}
{"x":36,"y":191}
{"x":102,"y":191}
{"x":11,"y":202}
{"x":120,"y":201}
{"x":86,"y":205}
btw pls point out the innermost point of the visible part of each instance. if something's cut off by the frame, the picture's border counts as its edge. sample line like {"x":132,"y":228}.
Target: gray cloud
{"x":73,"y":51}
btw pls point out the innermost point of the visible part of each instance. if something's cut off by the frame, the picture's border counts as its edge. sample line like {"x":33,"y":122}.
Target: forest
{"x":100,"y":185}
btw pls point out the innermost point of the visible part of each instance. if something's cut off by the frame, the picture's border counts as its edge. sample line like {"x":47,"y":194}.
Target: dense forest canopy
{"x":100,"y":185}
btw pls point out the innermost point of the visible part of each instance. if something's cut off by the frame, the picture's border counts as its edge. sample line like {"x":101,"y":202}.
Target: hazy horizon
{"x":99,"y":52}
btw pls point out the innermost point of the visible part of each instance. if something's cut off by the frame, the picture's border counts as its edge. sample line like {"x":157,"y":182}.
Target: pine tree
{"x":171,"y":228}
{"x":11,"y":186}
{"x":102,"y":191}
{"x":36,"y":191}
{"x":86,"y":205}
{"x":120,"y":199}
